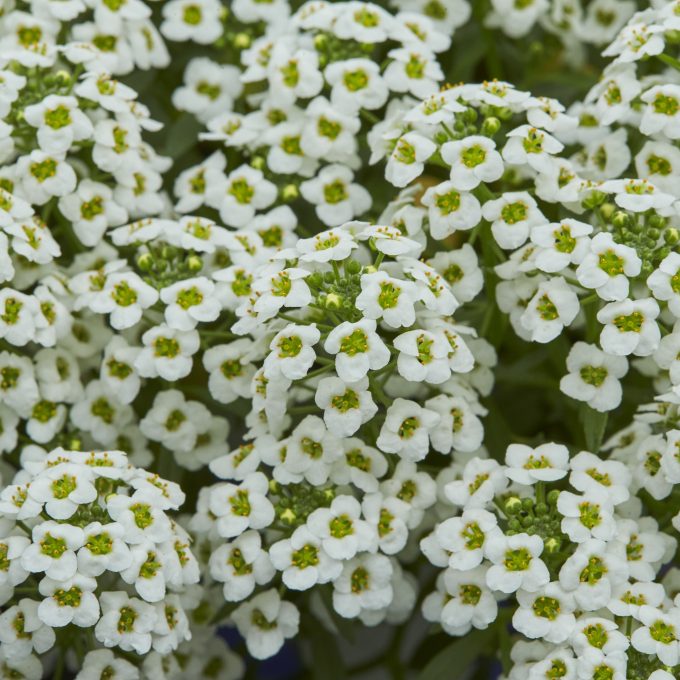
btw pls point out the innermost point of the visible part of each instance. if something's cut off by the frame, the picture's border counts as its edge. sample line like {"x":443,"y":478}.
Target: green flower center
{"x":68,"y":598}
{"x":123,"y":295}
{"x":58,"y":118}
{"x":341,"y":526}
{"x":311,"y":448}
{"x":53,"y":547}
{"x":335,"y":192}
{"x":307,"y":556}
{"x":289,"y":346}
{"x":150,"y":567}
{"x":388,"y":297}
{"x":100,"y":544}
{"x":238,"y":563}
{"x":385,"y":522}
{"x":473,"y":156}
{"x":101,"y":408}
{"x":546,"y":309}
{"x":189,"y":297}
{"x":328,"y":128}
{"x":142,"y":515}
{"x":366,"y":18}
{"x":9,"y":376}
{"x":261,"y":621}
{"x":470,"y":594}
{"x":659,"y":166}
{"x":415,"y":67}
{"x":514,"y":212}
{"x":192,"y":15}
{"x":448,"y":202}
{"x":408,"y":427}
{"x":546,"y":607}
{"x":593,"y":571}
{"x":517,"y":560}
{"x":290,"y":74}
{"x":241,"y":191}
{"x":355,"y":343}
{"x":43,"y":170}
{"x":346,"y":402}
{"x":118,"y":369}
{"x":174,"y":421}
{"x":405,"y":152}
{"x":64,"y":486}
{"x":126,"y":620}
{"x":44,"y":411}
{"x":240,"y":503}
{"x":90,"y":209}
{"x":231,"y":369}
{"x":662,"y":632}
{"x":589,"y":515}
{"x":473,"y":535}
{"x":359,"y":580}
{"x":631,"y":323}
{"x":665,"y":105}
{"x":564,"y":241}
{"x":593,"y":375}
{"x":208,"y":89}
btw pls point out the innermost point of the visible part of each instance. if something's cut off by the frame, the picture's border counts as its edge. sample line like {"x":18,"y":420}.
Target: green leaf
{"x":455,"y":659}
{"x":181,"y":136}
{"x":327,"y":663}
{"x":594,"y":425}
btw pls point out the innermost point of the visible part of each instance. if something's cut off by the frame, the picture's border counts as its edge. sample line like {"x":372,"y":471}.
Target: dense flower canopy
{"x":323,"y":318}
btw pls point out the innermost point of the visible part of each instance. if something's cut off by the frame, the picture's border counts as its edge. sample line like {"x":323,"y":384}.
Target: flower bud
{"x":145,"y":262}
{"x":290,"y":192}
{"x":671,"y":236}
{"x":194,"y":263}
{"x":491,"y":126}
{"x":242,"y":41}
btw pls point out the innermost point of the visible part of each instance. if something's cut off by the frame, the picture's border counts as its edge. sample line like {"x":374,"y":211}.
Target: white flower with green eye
{"x":356,"y":84}
{"x":512,"y":218}
{"x":560,"y":244}
{"x":546,"y":614}
{"x":190,"y":302}
{"x":358,"y":349}
{"x":69,"y":601}
{"x":553,"y":306}
{"x":230,"y":370}
{"x":423,"y":356}
{"x":303,"y":560}
{"x":387,"y":517}
{"x":630,"y":327}
{"x":53,"y":550}
{"x":450,"y":210}
{"x":167,"y":353}
{"x":265,"y":621}
{"x":407,"y":429}
{"x":407,"y":160}
{"x":104,"y":549}
{"x":195,"y":20}
{"x":545,"y":463}
{"x":638,"y":195}
{"x":329,"y":134}
{"x":473,"y":160}
{"x":141,"y":518}
{"x":62,"y":489}
{"x":59,"y":123}
{"x":460,"y":269}
{"x":659,"y":634}
{"x":459,"y":427}
{"x":364,"y":584}
{"x":240,"y":565}
{"x":293,"y":73}
{"x":44,"y":176}
{"x":332,"y":244}
{"x":414,"y":71}
{"x":23,"y":630}
{"x":390,"y":299}
{"x":516,"y":563}
{"x":240,"y":195}
{"x":124,"y":296}
{"x":126,"y":622}
{"x":530,"y":146}
{"x":310,"y":452}
{"x":594,"y":377}
{"x":464,"y":538}
{"x":662,"y":111}
{"x":658,"y":162}
{"x":336,"y":197}
{"x":292,"y":352}
{"x":586,"y":516}
{"x":346,"y":406}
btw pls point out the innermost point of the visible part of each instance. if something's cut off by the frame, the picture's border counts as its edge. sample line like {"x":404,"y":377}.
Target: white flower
{"x":659,"y":634}
{"x":406,"y":429}
{"x":190,"y":302}
{"x":460,"y":269}
{"x":450,"y":210}
{"x":512,"y":218}
{"x":546,"y":614}
{"x":241,"y":194}
{"x":329,"y":134}
{"x":279,"y":288}
{"x":527,"y":145}
{"x":592,"y":572}
{"x":292,"y":352}
{"x":53,"y":550}
{"x":586,"y":516}
{"x":69,"y":601}
{"x":516,"y":563}
{"x":388,"y":518}
{"x":358,"y":349}
{"x":191,"y":20}
{"x":473,"y":160}
{"x":387,"y":298}
{"x":124,"y":296}
{"x":230,"y":371}
{"x":104,"y":549}
{"x":346,"y":406}
{"x":303,"y":560}
{"x":607,"y":266}
{"x":356,"y":84}
{"x":482,"y":479}
{"x":174,"y":422}
{"x":293,"y":75}
{"x":340,"y":529}
{"x":23,"y":630}
{"x":589,"y":473}
{"x":407,"y":160}
{"x":423,"y":356}
{"x":242,"y":506}
{"x":59,"y":122}
{"x":560,"y":244}
{"x":44,"y":176}
{"x":311,"y":450}
{"x":241,"y":565}
{"x":126,"y":622}
{"x":364,"y":584}
{"x":414,"y":71}
{"x":465,"y":537}
{"x":664,"y":282}
{"x":167,"y":353}
{"x":553,"y":306}
{"x":630,"y":327}
{"x":545,"y":463}
{"x":333,"y":244}
{"x":62,"y":489}
{"x":97,"y":661}
{"x":594,"y":377}
{"x":265,"y":621}
{"x":139,"y":515}
{"x":662,"y":113}
{"x":337,"y":199}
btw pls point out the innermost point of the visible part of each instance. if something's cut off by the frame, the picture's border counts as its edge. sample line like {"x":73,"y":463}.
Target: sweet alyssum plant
{"x":301,"y":336}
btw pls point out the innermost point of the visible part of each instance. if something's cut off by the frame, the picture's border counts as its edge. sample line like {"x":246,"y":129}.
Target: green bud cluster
{"x":293,"y":503}
{"x":161,"y":264}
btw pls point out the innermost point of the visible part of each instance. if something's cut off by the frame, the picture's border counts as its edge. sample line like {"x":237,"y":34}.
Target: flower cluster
{"x":398,"y":348}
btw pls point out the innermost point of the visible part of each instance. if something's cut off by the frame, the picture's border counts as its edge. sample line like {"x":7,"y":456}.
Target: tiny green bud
{"x":352,"y":267}
{"x":541,"y":509}
{"x":527,"y":521}
{"x":671,"y":236}
{"x":491,"y":126}
{"x":594,"y":199}
{"x":257,"y":162}
{"x":370,"y":269}
{"x":653,"y":233}
{"x":513,"y":505}
{"x":288,"y":516}
{"x":514,"y":524}
{"x":551,"y":545}
{"x":290,"y":192}
{"x":333,"y":301}
{"x":620,"y":219}
{"x":504,"y":113}
{"x":672,"y":37}
{"x":658,"y":222}
{"x":470,"y":115}
{"x":194,"y":263}
{"x":145,"y":262}
{"x":553,"y":496}
{"x":607,"y":210}
{"x":242,"y":41}
{"x":320,"y":41}
{"x":527,"y":504}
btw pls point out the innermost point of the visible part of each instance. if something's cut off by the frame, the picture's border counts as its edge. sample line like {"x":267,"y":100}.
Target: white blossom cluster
{"x":261,"y":262}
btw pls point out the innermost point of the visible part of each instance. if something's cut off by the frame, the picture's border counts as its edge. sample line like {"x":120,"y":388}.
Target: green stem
{"x":669,"y":61}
